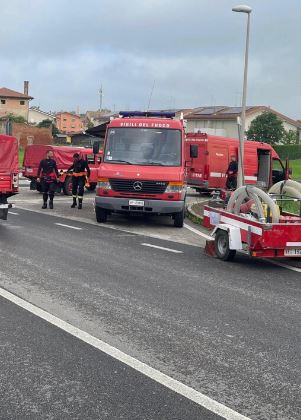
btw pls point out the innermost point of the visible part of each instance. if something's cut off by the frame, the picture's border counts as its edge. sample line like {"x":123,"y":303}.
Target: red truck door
{"x":197,"y":164}
{"x":218,"y":165}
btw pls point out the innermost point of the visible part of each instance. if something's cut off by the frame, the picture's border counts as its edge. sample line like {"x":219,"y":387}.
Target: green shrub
{"x":290,"y":151}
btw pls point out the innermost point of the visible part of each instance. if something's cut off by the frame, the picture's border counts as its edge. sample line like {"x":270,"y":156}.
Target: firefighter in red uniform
{"x":48,"y":175}
{"x":232,"y":170}
{"x":80,"y":170}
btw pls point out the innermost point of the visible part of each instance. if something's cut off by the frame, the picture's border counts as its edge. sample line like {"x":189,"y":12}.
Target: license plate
{"x":29,"y":170}
{"x":292,"y":252}
{"x":137,"y":203}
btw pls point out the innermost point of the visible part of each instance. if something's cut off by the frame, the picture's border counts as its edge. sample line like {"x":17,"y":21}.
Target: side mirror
{"x":194,"y":151}
{"x":96,"y":146}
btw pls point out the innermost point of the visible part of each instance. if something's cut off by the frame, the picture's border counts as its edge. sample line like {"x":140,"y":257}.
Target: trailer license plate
{"x":292,"y":252}
{"x":137,"y":203}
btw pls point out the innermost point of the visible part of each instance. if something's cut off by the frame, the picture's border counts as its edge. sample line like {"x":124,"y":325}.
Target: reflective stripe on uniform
{"x":79,"y":174}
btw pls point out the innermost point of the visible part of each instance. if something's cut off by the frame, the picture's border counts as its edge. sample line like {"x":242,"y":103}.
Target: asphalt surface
{"x":48,"y":374}
{"x":230,"y":330}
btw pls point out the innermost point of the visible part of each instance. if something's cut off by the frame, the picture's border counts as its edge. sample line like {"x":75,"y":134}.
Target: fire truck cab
{"x":143,"y":169}
{"x":212,"y":154}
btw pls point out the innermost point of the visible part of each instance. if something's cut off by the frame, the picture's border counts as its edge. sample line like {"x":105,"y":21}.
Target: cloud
{"x":193,"y":51}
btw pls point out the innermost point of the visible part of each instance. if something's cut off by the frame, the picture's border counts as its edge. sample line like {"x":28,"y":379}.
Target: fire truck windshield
{"x":143,"y":146}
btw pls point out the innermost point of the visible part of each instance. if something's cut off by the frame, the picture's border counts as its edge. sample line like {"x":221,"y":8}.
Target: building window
{"x":65,"y":127}
{"x":3,"y":101}
{"x":73,"y":120}
{"x":65,"y":119}
{"x":22,"y":102}
{"x":72,"y":126}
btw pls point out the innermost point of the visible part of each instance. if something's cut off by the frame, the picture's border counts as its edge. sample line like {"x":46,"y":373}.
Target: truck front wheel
{"x":101,"y":215}
{"x":179,"y":218}
{"x":222,"y":249}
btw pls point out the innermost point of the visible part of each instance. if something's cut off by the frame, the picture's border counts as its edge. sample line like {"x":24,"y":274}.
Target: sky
{"x":151,"y":53}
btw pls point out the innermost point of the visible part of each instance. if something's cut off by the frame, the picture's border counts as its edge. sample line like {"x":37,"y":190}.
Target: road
{"x":230,"y":331}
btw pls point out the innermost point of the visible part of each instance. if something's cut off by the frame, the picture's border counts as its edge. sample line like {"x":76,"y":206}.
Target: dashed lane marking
{"x":143,"y":368}
{"x":14,"y":213}
{"x":163,"y":248}
{"x":68,"y":226}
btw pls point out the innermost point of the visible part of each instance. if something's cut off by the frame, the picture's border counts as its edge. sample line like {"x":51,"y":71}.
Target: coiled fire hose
{"x":258,"y":196}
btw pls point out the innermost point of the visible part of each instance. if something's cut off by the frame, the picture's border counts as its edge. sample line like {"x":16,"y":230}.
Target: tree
{"x":267,"y":128}
{"x":48,"y":123}
{"x":13,"y":118}
{"x":291,"y":137}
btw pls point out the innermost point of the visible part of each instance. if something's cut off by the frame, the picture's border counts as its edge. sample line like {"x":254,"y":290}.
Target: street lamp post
{"x":240,"y":179}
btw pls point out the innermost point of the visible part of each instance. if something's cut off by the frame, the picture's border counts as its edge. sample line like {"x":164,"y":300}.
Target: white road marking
{"x":154,"y":374}
{"x":12,"y":212}
{"x":163,"y":248}
{"x":283,"y":265}
{"x":68,"y":226}
{"x":192,"y":229}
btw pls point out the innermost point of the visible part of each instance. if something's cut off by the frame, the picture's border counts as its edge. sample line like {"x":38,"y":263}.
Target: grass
{"x":21,"y":155}
{"x":296,"y":167}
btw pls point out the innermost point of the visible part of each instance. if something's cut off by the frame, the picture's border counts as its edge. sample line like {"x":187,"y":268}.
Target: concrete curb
{"x":192,"y":215}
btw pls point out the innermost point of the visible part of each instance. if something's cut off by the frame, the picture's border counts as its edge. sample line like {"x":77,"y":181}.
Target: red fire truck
{"x":143,"y":169}
{"x":64,"y":158}
{"x":212,"y":155}
{"x":9,"y":172}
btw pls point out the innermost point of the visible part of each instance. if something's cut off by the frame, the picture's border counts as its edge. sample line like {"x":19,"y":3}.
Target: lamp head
{"x":242,"y":8}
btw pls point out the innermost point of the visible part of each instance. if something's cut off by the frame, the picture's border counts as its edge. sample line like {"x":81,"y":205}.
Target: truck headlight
{"x":104,"y":183}
{"x":175,"y":187}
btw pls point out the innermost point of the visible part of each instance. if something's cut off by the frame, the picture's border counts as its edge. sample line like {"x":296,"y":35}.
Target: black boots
{"x":74,"y":203}
{"x":80,"y":203}
{"x":51,"y":203}
{"x":45,"y":198}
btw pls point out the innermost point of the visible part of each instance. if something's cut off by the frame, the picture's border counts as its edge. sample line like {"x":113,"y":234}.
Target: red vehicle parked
{"x":143,"y":169}
{"x":212,"y":155}
{"x":64,"y":159}
{"x":9,"y":172}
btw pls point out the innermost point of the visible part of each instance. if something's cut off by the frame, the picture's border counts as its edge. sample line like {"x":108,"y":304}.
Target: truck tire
{"x":222,"y":249}
{"x":179,"y":218}
{"x":101,"y":215}
{"x":3,"y":214}
{"x":67,"y":187}
{"x":91,"y":187}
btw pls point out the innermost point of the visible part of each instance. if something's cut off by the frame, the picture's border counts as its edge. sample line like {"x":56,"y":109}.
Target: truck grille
{"x":137,"y":186}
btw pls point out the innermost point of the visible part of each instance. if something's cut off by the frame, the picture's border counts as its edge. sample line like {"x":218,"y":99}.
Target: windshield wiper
{"x":119,"y":161}
{"x":151,"y":163}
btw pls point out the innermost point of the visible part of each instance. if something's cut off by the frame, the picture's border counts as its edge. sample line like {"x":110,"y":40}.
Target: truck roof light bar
{"x":155,"y":114}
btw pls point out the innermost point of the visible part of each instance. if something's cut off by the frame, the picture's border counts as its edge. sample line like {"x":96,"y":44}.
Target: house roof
{"x":8,"y":93}
{"x":231,"y":113}
{"x":37,"y":109}
{"x":69,"y":113}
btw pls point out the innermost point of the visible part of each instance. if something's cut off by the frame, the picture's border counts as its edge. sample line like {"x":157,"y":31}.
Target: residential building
{"x":36,"y":115}
{"x":12,"y":102}
{"x":68,"y":122}
{"x":222,"y":120}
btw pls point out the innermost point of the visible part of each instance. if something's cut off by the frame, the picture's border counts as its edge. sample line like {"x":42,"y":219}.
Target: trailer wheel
{"x":222,"y":249}
{"x":179,"y":218}
{"x":67,"y":187}
{"x":101,"y":215}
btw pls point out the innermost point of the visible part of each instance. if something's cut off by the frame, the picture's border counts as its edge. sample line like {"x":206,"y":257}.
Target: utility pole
{"x":100,"y":98}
